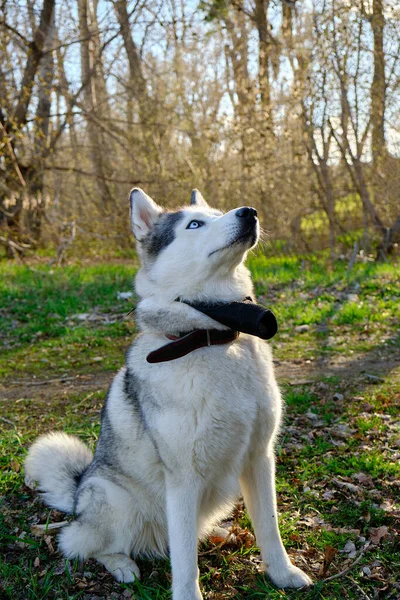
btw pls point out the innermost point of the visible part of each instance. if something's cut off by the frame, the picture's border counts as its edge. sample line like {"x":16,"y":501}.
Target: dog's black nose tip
{"x":246,"y":212}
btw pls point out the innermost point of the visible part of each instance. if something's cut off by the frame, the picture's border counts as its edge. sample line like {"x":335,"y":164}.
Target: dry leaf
{"x":366,"y":515}
{"x":377,"y":533}
{"x":363,"y":478}
{"x":330,"y":554}
{"x":15,"y":465}
{"x":49,"y":544}
{"x":345,"y":484}
{"x":216,"y":539}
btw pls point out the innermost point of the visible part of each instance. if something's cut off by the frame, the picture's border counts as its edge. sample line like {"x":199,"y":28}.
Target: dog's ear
{"x":144,"y":213}
{"x":196,"y":199}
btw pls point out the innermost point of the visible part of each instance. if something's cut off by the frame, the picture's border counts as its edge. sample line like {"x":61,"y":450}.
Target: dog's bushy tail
{"x":54,"y":465}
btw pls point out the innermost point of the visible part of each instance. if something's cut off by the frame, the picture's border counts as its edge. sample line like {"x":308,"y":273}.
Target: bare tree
{"x":88,"y":73}
{"x":13,"y":118}
{"x":291,"y":107}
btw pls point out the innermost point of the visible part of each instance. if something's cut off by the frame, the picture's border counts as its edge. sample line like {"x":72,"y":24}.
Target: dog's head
{"x":194,"y":252}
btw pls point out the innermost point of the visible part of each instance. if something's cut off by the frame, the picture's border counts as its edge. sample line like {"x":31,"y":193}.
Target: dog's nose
{"x":246,"y":212}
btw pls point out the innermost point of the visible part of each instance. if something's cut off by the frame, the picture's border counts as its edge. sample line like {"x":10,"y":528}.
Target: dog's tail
{"x":55,"y":462}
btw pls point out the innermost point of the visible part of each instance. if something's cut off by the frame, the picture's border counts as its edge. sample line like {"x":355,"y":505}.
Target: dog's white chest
{"x":205,"y":406}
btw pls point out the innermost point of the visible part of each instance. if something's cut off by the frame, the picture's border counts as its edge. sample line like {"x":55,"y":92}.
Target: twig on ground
{"x":220,"y":545}
{"x":256,"y":565}
{"x":43,"y":381}
{"x":358,"y":587}
{"x":214,"y":548}
{"x":83,"y":401}
{"x":347,"y":569}
{"x":8,"y":421}
{"x":48,"y":528}
{"x":374,"y":377}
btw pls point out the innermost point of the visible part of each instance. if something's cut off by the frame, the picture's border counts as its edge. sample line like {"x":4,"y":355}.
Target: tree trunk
{"x":245,"y":106}
{"x":137,"y":80}
{"x":88,"y":73}
{"x":378,"y":88}
{"x":35,"y":55}
{"x":100,"y":87}
{"x":329,"y":206}
{"x":152,"y":131}
{"x":42,"y":122}
{"x":264,"y":45}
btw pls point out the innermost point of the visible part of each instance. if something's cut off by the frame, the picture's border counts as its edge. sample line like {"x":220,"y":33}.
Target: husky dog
{"x":180,"y":440}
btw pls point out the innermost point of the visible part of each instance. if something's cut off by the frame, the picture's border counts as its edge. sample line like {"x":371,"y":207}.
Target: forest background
{"x":290,"y":106}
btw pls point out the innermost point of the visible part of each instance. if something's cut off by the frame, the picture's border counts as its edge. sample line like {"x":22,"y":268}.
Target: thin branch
{"x":110,"y":179}
{"x":364,"y":595}
{"x":8,"y":422}
{"x":11,"y":28}
{"x":68,"y":44}
{"x":12,"y":154}
{"x":347,"y":569}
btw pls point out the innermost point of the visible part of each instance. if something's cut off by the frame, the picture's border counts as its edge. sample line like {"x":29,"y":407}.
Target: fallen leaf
{"x":328,"y":495}
{"x":363,"y":478}
{"x":378,"y":533}
{"x":49,"y":544}
{"x":15,"y":465}
{"x":329,"y":555}
{"x":345,"y":484}
{"x":215,"y":539}
{"x":350,"y":549}
{"x":366,"y":516}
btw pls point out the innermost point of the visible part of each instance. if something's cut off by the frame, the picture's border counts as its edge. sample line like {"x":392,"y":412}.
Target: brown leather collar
{"x":200,"y":338}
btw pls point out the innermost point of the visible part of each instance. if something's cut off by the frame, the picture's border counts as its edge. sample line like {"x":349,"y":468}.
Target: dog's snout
{"x":246,"y":212}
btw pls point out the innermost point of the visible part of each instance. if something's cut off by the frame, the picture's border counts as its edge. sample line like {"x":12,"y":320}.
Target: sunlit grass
{"x":41,"y":340}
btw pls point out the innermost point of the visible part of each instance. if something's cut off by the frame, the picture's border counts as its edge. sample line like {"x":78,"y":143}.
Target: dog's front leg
{"x":182,"y":517}
{"x":258,"y":487}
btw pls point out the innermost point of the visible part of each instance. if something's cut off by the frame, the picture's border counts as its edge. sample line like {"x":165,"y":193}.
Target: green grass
{"x":341,"y":420}
{"x":38,"y":311}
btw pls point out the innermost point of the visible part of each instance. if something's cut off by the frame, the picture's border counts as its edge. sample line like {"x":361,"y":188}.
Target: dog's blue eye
{"x":195,"y":224}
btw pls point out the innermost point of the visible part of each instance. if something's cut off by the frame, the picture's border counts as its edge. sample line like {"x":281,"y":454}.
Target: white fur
{"x":50,"y":462}
{"x":144,"y":212}
{"x":207,"y":429}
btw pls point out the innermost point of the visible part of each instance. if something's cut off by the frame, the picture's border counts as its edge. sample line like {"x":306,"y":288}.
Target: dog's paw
{"x":30,"y":482}
{"x":126,"y":573}
{"x":289,"y":576}
{"x":123,"y":568}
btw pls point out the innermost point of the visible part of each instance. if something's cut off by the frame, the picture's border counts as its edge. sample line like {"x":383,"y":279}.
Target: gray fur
{"x":132,"y":390}
{"x":162,"y":233}
{"x":139,"y":397}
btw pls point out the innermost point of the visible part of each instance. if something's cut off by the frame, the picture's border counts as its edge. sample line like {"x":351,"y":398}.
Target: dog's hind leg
{"x":258,"y":487}
{"x":84,"y":540}
{"x":104,"y":528}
